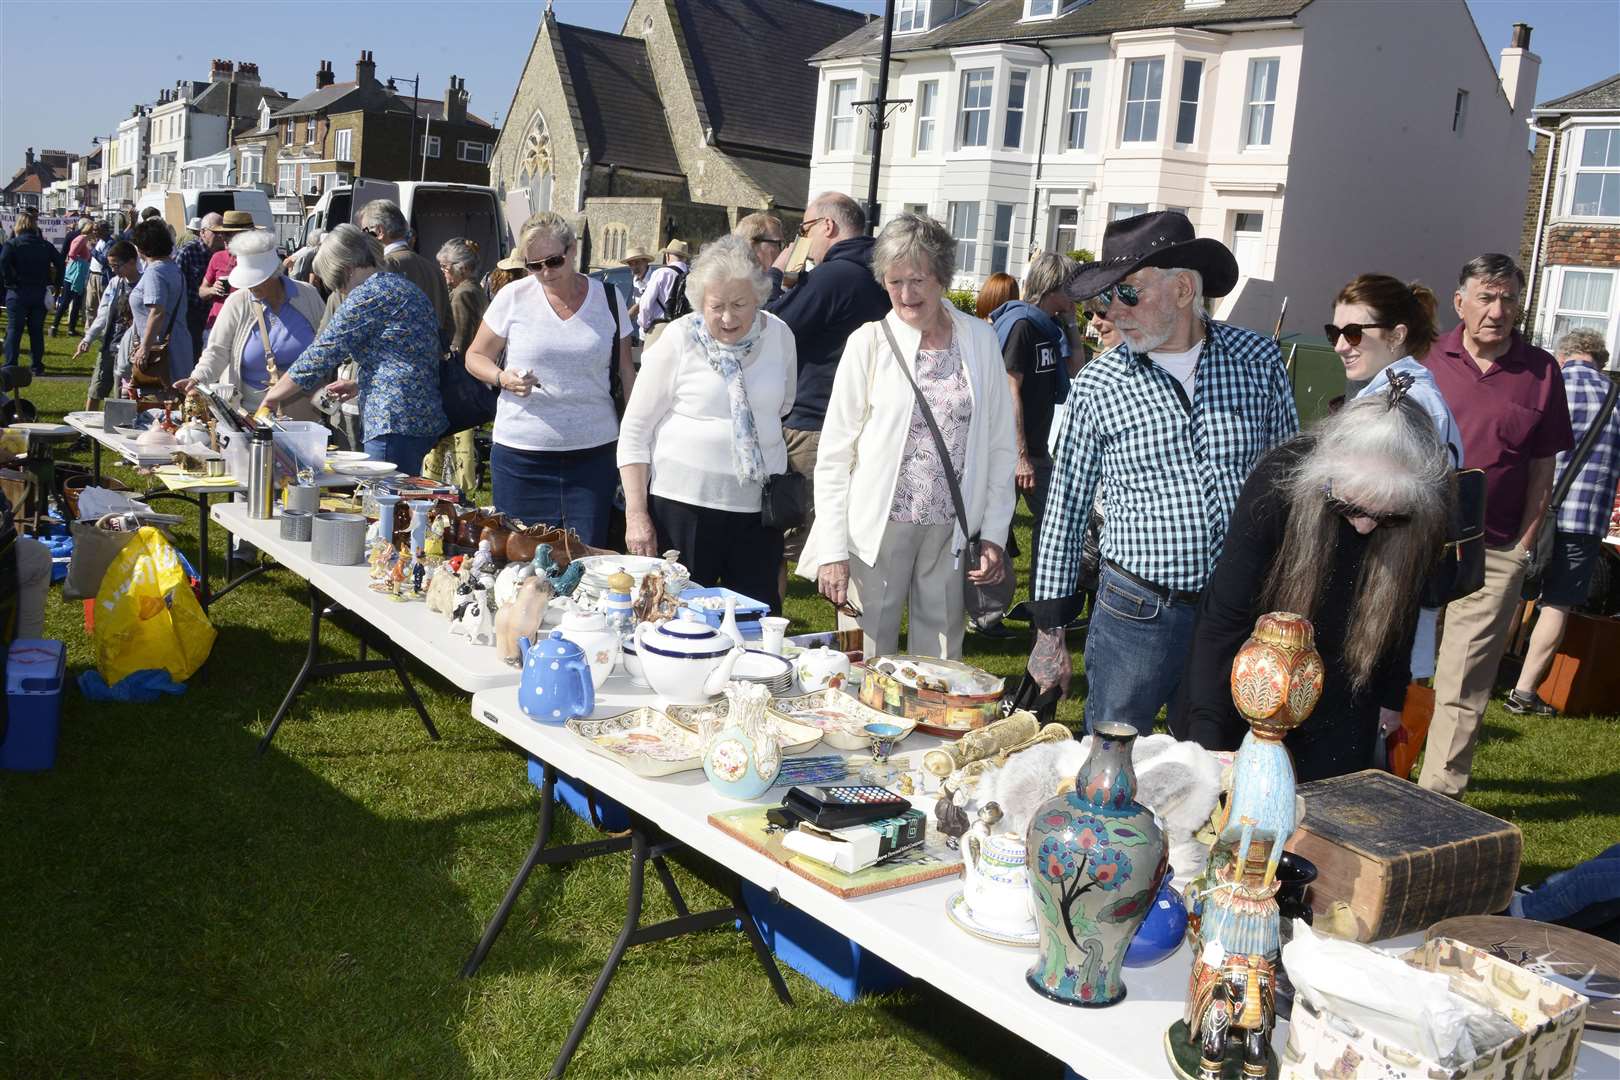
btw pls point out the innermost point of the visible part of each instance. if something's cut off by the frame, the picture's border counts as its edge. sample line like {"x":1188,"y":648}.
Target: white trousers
{"x":915,"y":570}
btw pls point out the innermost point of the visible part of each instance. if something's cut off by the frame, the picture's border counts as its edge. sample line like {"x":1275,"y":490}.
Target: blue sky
{"x":56,"y":94}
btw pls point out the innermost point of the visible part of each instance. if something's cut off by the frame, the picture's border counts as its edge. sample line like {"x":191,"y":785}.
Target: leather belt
{"x":1169,"y":596}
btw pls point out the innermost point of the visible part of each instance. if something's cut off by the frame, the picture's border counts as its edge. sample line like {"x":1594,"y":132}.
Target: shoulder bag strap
{"x":264,"y":336}
{"x":1577,"y":460}
{"x":933,"y":428}
{"x":610,"y":293}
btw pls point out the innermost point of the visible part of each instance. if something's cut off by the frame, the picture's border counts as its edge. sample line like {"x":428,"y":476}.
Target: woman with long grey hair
{"x":1340,"y":525}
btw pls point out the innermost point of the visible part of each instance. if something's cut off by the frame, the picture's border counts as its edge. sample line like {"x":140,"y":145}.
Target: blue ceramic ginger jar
{"x":556,"y":684}
{"x":1096,"y":859}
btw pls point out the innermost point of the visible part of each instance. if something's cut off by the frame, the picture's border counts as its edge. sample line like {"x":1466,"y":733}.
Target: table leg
{"x":410,"y":691}
{"x":203,"y":553}
{"x":95,"y":460}
{"x":316,"y":604}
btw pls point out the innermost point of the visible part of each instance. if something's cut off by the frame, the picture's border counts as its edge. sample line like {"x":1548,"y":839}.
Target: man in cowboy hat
{"x":191,"y":258}
{"x":215,"y":285}
{"x":1167,"y":425}
{"x":663,"y":298}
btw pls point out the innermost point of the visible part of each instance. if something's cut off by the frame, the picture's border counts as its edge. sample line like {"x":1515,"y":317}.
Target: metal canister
{"x":261,"y":474}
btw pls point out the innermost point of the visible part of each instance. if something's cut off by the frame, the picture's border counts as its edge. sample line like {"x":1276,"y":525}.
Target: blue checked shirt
{"x":1590,"y":502}
{"x":1170,"y":470}
{"x":192,"y":259}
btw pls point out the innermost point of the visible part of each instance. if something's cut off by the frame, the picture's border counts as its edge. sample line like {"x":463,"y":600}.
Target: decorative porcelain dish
{"x":840,"y":718}
{"x":795,"y":736}
{"x":644,"y":740}
{"x":945,"y":697}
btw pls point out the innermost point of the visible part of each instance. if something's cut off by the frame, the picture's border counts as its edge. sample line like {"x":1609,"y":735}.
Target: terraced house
{"x":1317,"y":138}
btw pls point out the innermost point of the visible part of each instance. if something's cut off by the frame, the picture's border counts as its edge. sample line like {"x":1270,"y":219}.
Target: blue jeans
{"x":405,"y":451}
{"x":1584,"y":896}
{"x":571,"y":489}
{"x":25,"y":313}
{"x":1136,"y":648}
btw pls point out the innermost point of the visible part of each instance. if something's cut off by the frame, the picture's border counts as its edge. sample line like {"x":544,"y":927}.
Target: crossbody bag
{"x":1542,"y":551}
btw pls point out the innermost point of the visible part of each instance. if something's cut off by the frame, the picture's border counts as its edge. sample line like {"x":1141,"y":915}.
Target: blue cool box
{"x":586,"y":802}
{"x":35,"y":671}
{"x":818,"y":952}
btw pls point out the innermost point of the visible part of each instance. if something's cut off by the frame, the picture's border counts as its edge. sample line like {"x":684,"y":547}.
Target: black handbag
{"x":468,"y":401}
{"x":786,"y":502}
{"x":1542,"y":551}
{"x":1461,"y":567}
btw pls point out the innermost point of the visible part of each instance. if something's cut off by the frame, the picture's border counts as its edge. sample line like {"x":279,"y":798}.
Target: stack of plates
{"x":598,"y":568}
{"x":774,"y":673}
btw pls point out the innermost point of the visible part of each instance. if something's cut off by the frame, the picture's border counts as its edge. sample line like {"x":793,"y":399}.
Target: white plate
{"x":92,"y":417}
{"x":761,"y":666}
{"x":335,"y":456}
{"x":365,"y":468}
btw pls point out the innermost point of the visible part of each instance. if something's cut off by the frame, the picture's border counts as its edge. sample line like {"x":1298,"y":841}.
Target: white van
{"x":435,"y":211}
{"x":181,"y":206}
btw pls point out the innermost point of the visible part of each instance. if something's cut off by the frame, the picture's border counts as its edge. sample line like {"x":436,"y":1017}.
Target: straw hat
{"x":511,"y":262}
{"x":234,"y":221}
{"x":637,"y":252}
{"x":677,"y":248}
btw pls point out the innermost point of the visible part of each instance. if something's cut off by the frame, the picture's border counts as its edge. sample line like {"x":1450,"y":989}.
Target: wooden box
{"x":1584,"y":680}
{"x":1402,"y":857}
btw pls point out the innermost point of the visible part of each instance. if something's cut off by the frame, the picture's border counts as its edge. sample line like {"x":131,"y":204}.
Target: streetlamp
{"x":878,"y":108}
{"x":416,"y":101}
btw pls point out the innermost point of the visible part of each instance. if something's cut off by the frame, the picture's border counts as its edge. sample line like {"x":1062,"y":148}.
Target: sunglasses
{"x":771,"y":240}
{"x":1347,"y":509}
{"x":550,"y":263}
{"x":1351,"y":331}
{"x":806,"y":226}
{"x":847,"y":608}
{"x":1129,"y":295}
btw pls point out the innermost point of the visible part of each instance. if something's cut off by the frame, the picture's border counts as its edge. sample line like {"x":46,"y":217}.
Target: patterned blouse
{"x":388,"y":327}
{"x":922,"y":496}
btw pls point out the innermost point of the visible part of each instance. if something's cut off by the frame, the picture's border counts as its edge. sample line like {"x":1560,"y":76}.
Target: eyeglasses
{"x":550,"y":263}
{"x":806,"y":226}
{"x":1346,"y":509}
{"x":1351,"y":331}
{"x":1129,"y":295}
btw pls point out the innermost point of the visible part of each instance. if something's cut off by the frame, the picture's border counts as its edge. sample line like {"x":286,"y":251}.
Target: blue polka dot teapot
{"x":556,"y":685}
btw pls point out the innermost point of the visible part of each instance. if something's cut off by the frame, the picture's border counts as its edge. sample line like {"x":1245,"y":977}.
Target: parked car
{"x":436,"y":212}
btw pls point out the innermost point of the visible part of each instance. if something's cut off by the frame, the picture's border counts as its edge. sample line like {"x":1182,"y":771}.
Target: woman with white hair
{"x":703,"y":430}
{"x":388,"y":327}
{"x":886,"y":535}
{"x":566,"y":340}
{"x":264,"y":326}
{"x":1342,"y":526}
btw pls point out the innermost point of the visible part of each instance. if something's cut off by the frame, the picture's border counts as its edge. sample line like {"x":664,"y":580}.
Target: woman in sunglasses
{"x":556,"y":423}
{"x":1340,"y":525}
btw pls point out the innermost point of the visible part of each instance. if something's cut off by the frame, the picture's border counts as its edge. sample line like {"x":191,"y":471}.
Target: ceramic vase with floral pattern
{"x":1096,"y":858}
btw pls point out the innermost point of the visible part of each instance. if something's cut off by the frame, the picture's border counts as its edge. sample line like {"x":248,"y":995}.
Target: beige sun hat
{"x":637,"y":252}
{"x":677,"y":248}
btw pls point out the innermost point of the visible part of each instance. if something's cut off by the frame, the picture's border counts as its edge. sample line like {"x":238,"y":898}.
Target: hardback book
{"x":855,"y":848}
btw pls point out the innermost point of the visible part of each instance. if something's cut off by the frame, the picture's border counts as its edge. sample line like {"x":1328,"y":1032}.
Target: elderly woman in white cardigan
{"x":703,"y":428}
{"x":263,"y":326}
{"x":886,"y":535}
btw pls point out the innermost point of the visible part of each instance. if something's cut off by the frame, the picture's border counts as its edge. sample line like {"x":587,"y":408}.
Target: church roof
{"x":618,"y":100}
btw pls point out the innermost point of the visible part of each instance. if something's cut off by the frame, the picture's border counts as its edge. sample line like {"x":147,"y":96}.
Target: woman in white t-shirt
{"x":556,"y":421}
{"x":703,"y":430}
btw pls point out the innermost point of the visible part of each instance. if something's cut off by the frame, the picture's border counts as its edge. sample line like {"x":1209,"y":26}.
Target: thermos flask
{"x":261,"y":474}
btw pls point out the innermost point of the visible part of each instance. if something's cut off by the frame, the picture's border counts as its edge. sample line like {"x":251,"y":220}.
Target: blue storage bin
{"x":35,"y":671}
{"x":586,"y":802}
{"x":818,"y":952}
{"x":749,"y":610}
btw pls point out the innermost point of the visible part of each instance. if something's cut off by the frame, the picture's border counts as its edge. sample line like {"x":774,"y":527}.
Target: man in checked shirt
{"x":1167,"y":426}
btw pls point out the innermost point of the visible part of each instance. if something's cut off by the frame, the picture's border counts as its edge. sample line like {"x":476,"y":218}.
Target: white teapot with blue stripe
{"x":684,"y":661}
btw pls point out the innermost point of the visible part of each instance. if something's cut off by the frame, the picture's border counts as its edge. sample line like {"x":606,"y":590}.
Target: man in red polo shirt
{"x":1508,"y":398}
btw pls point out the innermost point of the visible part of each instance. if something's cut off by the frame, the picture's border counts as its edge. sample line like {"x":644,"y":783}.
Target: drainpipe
{"x":1533,"y":277}
{"x":1040,"y":147}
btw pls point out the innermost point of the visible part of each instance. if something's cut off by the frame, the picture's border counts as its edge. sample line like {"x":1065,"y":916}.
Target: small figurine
{"x":568,"y":580}
{"x":379,"y":556}
{"x":951,"y":819}
{"x":434,"y":543}
{"x":441,"y":596}
{"x":396,"y":573}
{"x":483,"y":562}
{"x":419,"y":572}
{"x":477,"y":619}
{"x":522,"y":617}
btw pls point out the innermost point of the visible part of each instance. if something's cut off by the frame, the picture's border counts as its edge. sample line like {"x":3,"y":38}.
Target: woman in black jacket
{"x":28,"y":264}
{"x":1340,"y":525}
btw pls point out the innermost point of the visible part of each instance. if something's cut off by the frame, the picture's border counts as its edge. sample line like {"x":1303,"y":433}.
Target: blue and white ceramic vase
{"x":741,"y":756}
{"x":1096,"y":858}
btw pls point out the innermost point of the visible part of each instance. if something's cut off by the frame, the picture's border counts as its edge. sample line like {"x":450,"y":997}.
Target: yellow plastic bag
{"x":146,"y":614}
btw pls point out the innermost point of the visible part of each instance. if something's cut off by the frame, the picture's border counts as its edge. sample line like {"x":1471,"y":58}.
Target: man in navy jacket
{"x":830,"y":300}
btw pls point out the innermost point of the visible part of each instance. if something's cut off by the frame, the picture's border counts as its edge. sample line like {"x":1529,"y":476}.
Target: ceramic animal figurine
{"x":508,"y":580}
{"x":484,"y":561}
{"x":1230,"y":1010}
{"x":441,"y":595}
{"x":521,"y":617}
{"x":480,"y":619}
{"x":1096,"y":857}
{"x":568,"y":580}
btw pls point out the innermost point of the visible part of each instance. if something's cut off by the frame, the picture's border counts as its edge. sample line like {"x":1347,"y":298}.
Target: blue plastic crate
{"x":35,"y":671}
{"x":749,"y":610}
{"x":584,"y":801}
{"x":818,"y":952}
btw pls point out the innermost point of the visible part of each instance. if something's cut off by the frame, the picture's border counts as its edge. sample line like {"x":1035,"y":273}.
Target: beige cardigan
{"x":221,"y":361}
{"x":864,"y":436}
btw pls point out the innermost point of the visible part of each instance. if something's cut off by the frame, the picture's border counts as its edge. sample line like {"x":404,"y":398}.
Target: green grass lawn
{"x":174,"y":907}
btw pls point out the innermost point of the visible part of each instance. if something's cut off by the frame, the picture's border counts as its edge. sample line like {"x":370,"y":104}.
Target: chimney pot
{"x":365,"y":69}
{"x":323,"y":75}
{"x":1521,"y":35}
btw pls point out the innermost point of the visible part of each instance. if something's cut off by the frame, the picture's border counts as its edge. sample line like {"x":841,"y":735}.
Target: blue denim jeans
{"x":405,"y":451}
{"x":1584,"y":896}
{"x":1136,"y":648}
{"x":570,"y":489}
{"x":25,"y":312}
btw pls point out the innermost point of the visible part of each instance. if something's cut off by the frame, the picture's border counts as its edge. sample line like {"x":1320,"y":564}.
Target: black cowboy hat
{"x":1162,"y":238}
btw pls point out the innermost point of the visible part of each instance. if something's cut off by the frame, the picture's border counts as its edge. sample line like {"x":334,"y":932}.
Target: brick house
{"x":696,"y":113}
{"x":1571,"y":240}
{"x":342,"y":130}
{"x":26,"y":188}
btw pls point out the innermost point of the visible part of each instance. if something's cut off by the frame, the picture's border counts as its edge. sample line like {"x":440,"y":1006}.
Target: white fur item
{"x":1179,"y":781}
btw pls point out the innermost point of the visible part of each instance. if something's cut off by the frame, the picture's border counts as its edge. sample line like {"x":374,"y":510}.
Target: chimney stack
{"x":365,"y":70}
{"x":324,"y":76}
{"x":246,"y":72}
{"x":220,"y":70}
{"x":455,"y":101}
{"x":1519,"y":71}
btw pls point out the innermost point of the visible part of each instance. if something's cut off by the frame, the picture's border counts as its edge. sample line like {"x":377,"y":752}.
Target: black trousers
{"x":721,"y":547}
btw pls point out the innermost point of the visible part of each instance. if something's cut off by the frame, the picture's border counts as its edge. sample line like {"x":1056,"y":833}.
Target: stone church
{"x":697,"y":113}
